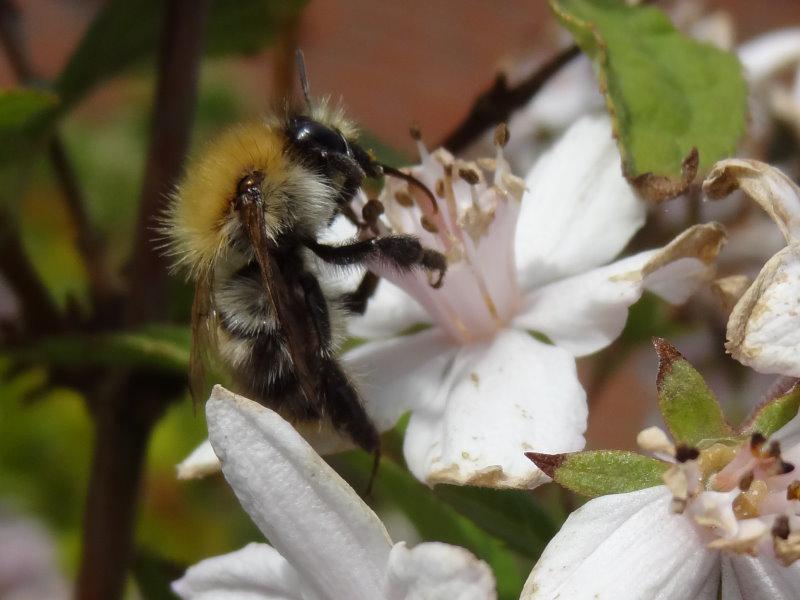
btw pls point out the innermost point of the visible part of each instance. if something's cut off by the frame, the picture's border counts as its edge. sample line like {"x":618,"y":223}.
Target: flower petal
{"x":584,"y":313}
{"x":436,"y":571}
{"x":399,"y":374}
{"x":200,"y":463}
{"x":764,"y":327}
{"x":759,"y":578}
{"x":767,"y":54}
{"x":256,"y":572}
{"x":578,"y":211}
{"x":789,"y":434}
{"x":497,"y":400}
{"x":766,"y":185}
{"x":625,"y":546}
{"x":390,"y":312}
{"x":310,"y":515}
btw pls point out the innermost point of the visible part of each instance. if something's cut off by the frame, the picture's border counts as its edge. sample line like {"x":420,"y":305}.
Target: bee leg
{"x":347,"y":414}
{"x":338,"y":399}
{"x":403,"y":252}
{"x":355,"y":302}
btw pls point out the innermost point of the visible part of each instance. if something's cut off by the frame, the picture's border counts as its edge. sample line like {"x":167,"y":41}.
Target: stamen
{"x":428,"y":225}
{"x":757,"y":440}
{"x":371,"y":211}
{"x":653,"y":439}
{"x":404,"y":199}
{"x":487,"y":164}
{"x":746,"y":504}
{"x":501,"y":135}
{"x":774,"y":449}
{"x":785,"y":468}
{"x":471,"y":176}
{"x":439,"y":188}
{"x":684,"y":453}
{"x":416,"y":135}
{"x":714,"y":458}
{"x":793,"y":491}
{"x":781,"y":527}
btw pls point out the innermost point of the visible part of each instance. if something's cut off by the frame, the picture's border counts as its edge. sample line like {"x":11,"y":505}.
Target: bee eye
{"x":306,"y":131}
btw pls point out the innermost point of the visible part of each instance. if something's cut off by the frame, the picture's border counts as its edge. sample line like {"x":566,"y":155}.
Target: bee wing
{"x":204,"y":338}
{"x":290,"y":310}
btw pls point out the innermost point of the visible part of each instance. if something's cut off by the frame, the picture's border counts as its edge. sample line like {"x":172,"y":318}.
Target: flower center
{"x":472,"y":221}
{"x":746,"y":497}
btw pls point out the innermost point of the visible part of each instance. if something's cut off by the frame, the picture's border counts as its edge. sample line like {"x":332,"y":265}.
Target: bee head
{"x":328,"y":148}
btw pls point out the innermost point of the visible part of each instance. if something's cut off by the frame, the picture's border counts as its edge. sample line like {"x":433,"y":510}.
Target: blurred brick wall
{"x":393,"y":62}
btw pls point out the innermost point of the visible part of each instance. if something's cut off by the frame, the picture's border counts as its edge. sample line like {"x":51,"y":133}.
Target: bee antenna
{"x":301,"y":71}
{"x":412,"y":181}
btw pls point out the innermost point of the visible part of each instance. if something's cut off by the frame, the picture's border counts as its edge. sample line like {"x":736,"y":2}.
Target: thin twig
{"x":89,"y":244}
{"x":496,"y":104}
{"x":127,"y":410}
{"x":176,"y":97}
{"x":39,"y":312}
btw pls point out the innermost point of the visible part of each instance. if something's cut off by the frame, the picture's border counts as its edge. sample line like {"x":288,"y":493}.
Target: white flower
{"x":523,"y":256}
{"x":764,"y":326}
{"x":28,"y":563}
{"x":686,"y":539}
{"x":765,"y":58}
{"x":326,"y":544}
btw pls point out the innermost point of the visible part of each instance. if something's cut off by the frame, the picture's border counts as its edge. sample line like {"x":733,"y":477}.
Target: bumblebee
{"x":245,"y":222}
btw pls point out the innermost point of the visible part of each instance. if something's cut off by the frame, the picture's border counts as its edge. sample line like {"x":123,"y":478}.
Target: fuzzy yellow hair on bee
{"x":198,"y":218}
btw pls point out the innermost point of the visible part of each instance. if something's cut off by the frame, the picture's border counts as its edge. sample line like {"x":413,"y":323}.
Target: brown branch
{"x":176,"y":96}
{"x":40,"y":314}
{"x":496,"y":104}
{"x":126,"y":411}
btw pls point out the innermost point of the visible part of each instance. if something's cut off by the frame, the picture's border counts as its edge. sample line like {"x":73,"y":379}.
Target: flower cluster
{"x":725,"y":519}
{"x":745,"y":496}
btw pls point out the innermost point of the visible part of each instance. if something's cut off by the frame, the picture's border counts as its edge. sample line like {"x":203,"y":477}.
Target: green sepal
{"x":600,"y":472}
{"x":689,"y":408}
{"x":773,"y":414}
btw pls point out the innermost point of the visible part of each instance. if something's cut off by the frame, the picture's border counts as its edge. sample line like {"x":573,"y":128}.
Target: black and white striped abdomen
{"x":250,"y":340}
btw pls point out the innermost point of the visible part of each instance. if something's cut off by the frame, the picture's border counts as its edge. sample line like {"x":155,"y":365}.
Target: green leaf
{"x":513,"y":516}
{"x":600,"y":472}
{"x":49,"y":237}
{"x":24,"y":114}
{"x":435,"y":520}
{"x":690,"y":410}
{"x":126,"y":34}
{"x":163,"y":348}
{"x":22,"y":107}
{"x":774,"y":414}
{"x":666,"y":93}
